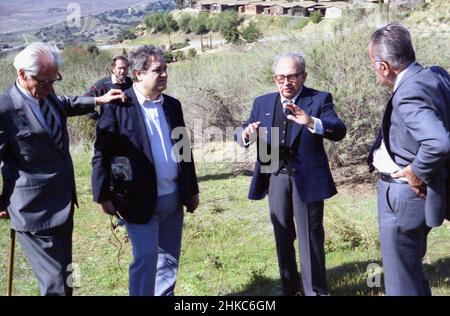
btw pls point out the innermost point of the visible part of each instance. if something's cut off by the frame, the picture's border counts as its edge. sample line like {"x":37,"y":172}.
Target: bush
{"x":178,"y":56}
{"x":184,"y":22}
{"x":251,"y":33}
{"x":192,"y":52}
{"x":316,"y":17}
{"x":168,"y":56}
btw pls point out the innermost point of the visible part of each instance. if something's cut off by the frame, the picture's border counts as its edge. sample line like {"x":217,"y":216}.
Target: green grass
{"x":228,"y":245}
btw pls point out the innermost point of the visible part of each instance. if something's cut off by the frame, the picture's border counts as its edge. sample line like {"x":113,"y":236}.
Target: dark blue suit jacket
{"x":121,"y":131}
{"x":311,"y":169}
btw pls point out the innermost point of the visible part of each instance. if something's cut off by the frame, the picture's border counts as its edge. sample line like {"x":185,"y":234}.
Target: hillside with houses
{"x":327,"y":8}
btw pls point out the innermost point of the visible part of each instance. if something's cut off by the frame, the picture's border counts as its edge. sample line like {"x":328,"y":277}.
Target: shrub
{"x":251,"y":33}
{"x":192,"y":52}
{"x":316,"y":17}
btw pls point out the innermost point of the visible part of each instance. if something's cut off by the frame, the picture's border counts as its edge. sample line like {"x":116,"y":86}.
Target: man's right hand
{"x":108,"y":207}
{"x":250,"y":130}
{"x":4,"y":214}
{"x":113,"y":94}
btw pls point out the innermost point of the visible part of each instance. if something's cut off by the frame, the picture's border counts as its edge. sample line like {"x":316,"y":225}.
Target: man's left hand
{"x":414,"y":182}
{"x":113,"y":94}
{"x":299,"y":116}
{"x":195,"y":202}
{"x":4,"y":214}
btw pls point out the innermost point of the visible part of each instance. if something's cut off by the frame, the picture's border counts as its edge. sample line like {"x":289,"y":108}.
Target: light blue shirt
{"x":158,"y":132}
{"x":318,"y":125}
{"x":34,"y":105}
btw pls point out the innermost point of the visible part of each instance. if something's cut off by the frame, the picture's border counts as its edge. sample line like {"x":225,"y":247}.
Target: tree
{"x":228,"y":27}
{"x":251,"y":33}
{"x":184,"y":21}
{"x":170,"y":25}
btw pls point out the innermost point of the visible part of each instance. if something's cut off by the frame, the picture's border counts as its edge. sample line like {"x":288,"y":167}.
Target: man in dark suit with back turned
{"x":293,"y":123}
{"x":38,"y":180}
{"x":143,"y":132}
{"x":410,"y":154}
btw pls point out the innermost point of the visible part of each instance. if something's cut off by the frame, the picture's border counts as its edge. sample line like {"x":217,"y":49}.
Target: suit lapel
{"x":268,"y":118}
{"x":24,"y":111}
{"x":303,"y":101}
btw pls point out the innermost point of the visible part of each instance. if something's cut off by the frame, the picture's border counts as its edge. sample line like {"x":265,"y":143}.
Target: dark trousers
{"x":403,"y":239}
{"x":286,"y":205}
{"x":50,"y":255}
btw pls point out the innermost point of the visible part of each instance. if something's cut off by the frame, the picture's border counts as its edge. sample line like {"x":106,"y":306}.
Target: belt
{"x":283,"y":171}
{"x":386,"y":177}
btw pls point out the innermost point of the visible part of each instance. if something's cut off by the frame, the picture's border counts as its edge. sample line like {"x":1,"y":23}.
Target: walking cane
{"x":10,"y":272}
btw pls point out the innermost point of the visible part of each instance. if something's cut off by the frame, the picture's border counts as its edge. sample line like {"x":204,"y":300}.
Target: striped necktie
{"x":56,"y":131}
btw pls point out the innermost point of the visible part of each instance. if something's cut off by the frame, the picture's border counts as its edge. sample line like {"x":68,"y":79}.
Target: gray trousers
{"x":50,"y":255}
{"x":403,"y":239}
{"x":286,"y":205}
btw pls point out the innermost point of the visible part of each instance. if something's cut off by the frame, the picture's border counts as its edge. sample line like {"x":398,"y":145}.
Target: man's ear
{"x":21,"y":74}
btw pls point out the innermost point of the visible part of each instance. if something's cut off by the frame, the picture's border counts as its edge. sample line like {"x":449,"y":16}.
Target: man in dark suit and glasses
{"x":410,"y":154}
{"x":38,"y":180}
{"x":293,"y":122}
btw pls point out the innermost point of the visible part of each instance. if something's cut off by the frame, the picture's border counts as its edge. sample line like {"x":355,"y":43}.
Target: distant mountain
{"x":69,"y":22}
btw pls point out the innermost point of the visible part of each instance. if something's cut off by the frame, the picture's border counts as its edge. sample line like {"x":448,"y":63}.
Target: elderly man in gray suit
{"x":38,"y":179}
{"x":410,"y":155}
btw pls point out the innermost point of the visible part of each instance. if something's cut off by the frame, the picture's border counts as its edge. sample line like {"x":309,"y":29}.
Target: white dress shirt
{"x":158,"y":132}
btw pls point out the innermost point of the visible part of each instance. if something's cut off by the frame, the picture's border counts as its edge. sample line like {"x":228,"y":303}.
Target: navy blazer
{"x":121,"y":131}
{"x":310,"y":164}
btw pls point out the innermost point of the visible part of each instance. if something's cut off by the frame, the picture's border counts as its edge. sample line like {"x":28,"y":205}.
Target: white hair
{"x":298,"y":57}
{"x":35,"y":55}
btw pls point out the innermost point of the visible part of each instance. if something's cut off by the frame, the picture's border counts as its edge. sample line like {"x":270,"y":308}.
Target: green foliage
{"x":199,"y":25}
{"x":228,"y":26}
{"x":162,"y":22}
{"x":168,"y":56}
{"x":251,"y":33}
{"x":178,"y":55}
{"x":184,"y":21}
{"x":316,"y":17}
{"x":192,"y":52}
{"x":126,"y":35}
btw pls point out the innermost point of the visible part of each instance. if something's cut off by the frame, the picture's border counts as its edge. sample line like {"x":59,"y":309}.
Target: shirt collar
{"x":402,"y":74}
{"x":143,"y":99}
{"x":26,"y":93}
{"x":283,"y":99}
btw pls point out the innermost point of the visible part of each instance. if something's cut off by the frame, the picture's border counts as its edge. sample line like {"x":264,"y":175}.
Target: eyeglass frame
{"x":46,"y":83}
{"x":294,"y":77}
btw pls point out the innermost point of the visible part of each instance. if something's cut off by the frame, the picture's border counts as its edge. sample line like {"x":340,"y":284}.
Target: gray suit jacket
{"x":416,"y":131}
{"x":38,"y":178}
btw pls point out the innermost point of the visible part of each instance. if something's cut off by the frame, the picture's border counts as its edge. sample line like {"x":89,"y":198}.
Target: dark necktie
{"x":286,"y":112}
{"x":56,"y":131}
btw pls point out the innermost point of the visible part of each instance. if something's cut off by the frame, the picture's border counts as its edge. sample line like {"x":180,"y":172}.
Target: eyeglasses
{"x":290,"y":78}
{"x":46,"y":83}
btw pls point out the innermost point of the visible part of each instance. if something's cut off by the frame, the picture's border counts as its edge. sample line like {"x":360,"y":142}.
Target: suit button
{"x":282,"y":141}
{"x":293,"y":170}
{"x":291,"y":151}
{"x":284,"y":132}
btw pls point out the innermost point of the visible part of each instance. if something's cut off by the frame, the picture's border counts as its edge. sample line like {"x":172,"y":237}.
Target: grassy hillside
{"x":228,"y":246}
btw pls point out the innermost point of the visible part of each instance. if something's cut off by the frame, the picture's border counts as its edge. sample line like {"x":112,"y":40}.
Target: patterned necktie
{"x":56,"y":131}
{"x":286,"y":112}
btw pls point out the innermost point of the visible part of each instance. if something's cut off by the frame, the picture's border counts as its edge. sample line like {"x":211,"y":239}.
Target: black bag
{"x":121,"y":179}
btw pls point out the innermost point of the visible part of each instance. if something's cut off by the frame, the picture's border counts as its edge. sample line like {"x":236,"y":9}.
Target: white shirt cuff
{"x":318,"y":127}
